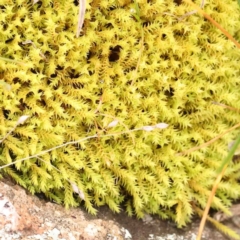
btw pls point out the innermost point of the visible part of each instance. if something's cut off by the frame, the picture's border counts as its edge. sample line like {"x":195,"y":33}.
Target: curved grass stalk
{"x":221,"y":171}
{"x":226,"y":33}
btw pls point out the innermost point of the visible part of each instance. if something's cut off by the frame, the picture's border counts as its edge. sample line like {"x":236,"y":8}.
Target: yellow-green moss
{"x":182,"y":68}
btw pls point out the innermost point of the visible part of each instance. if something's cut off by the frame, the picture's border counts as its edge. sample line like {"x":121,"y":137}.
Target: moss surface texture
{"x":128,"y":70}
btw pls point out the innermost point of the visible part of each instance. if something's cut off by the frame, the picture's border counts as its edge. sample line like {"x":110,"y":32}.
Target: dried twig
{"x":34,"y":1}
{"x":82,"y":10}
{"x":209,"y":142}
{"x":21,"y":120}
{"x":192,"y":12}
{"x":226,"y":33}
{"x":143,"y":128}
{"x":33,"y":44}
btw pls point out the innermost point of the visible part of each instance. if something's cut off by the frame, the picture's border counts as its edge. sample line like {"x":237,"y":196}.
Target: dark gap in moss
{"x":164,"y":36}
{"x":56,"y":87}
{"x":211,"y":92}
{"x":49,"y":82}
{"x":22,"y":106}
{"x":78,"y":85}
{"x":99,"y":93}
{"x":158,"y":146}
{"x":33,"y":71}
{"x":72,"y":74}
{"x":193,"y":141}
{"x":108,"y":141}
{"x":6,"y":113}
{"x":164,"y":56}
{"x":44,"y":31}
{"x":10,"y":39}
{"x":109,"y":25}
{"x":178,"y":33}
{"x":169,"y":93}
{"x":47,"y":54}
{"x":29,"y":94}
{"x":16,"y":171}
{"x":75,"y":2}
{"x":15,"y":80}
{"x":89,"y":55}
{"x":82,"y":33}
{"x":146,"y":24}
{"x":76,"y":75}
{"x":25,"y":84}
{"x":112,"y":8}
{"x":42,"y":61}
{"x":209,"y":41}
{"x":54,"y":47}
{"x":171,"y":181}
{"x":66,"y":27}
{"x":42,"y":12}
{"x":23,"y":46}
{"x":5,"y":26}
{"x":146,"y":46}
{"x":54,"y":75}
{"x":218,"y":9}
{"x":93,"y":19}
{"x":114,"y":53}
{"x":59,"y":67}
{"x":78,"y":147}
{"x":178,"y":2}
{"x":134,"y":18}
{"x":182,"y":113}
{"x":65,"y":106}
{"x":4,"y":51}
{"x":42,"y":102}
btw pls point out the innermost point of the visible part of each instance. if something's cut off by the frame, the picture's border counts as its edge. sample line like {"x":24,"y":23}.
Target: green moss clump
{"x":74,"y":87}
